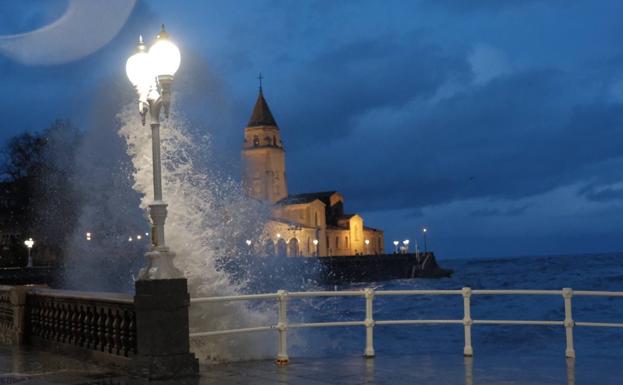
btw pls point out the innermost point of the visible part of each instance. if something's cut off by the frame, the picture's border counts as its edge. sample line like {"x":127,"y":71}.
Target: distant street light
{"x":315,"y":242}
{"x":367,"y":242}
{"x":139,"y":237}
{"x":130,"y":239}
{"x":406,"y":245}
{"x":151,"y":72}
{"x":29,"y":244}
{"x":424,"y":231}
{"x":248,"y":242}
{"x":88,"y":236}
{"x":396,"y":247}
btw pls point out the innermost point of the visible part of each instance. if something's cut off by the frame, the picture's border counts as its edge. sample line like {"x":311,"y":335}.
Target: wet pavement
{"x":28,"y":367}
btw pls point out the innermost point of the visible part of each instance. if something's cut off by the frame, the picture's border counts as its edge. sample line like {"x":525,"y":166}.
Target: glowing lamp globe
{"x":164,"y":55}
{"x":139,"y":68}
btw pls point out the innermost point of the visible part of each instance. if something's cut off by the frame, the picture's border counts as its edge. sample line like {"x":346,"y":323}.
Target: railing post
{"x":468,"y":351}
{"x":567,"y":294}
{"x":282,"y":326}
{"x":369,"y":323}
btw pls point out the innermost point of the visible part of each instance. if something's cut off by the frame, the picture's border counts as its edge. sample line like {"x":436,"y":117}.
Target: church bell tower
{"x":263,"y":155}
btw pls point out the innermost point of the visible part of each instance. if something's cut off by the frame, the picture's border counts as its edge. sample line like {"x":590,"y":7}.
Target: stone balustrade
{"x":100,"y":322}
{"x":146,"y":333}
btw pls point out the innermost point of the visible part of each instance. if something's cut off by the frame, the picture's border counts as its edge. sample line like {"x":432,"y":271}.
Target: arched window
{"x":256,"y":141}
{"x":282,"y":248}
{"x":293,"y":247}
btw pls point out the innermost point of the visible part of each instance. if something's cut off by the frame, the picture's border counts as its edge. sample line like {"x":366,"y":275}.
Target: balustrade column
{"x":468,"y":351}
{"x":282,"y":327}
{"x":567,"y":294}
{"x":369,"y":323}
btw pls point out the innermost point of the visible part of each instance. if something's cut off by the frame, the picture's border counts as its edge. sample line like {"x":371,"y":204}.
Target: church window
{"x":337,"y":242}
{"x":316,"y":218}
{"x":256,"y":141}
{"x":267,"y":140}
{"x":346,"y":238}
{"x":274,"y":140}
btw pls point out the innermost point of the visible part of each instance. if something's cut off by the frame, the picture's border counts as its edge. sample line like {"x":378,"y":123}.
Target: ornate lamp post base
{"x":159,"y":265}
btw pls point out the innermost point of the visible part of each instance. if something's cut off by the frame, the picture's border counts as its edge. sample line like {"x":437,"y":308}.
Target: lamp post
{"x":406,"y":245}
{"x":396,"y":247}
{"x":151,"y":72}
{"x":367,"y":242}
{"x":29,"y":244}
{"x":315,"y":242}
{"x":161,"y":291}
{"x":424,"y":231}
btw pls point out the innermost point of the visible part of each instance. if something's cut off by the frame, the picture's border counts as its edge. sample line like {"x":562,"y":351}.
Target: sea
{"x":537,"y":351}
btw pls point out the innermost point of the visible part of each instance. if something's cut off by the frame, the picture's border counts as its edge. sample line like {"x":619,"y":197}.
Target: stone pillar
{"x":14,"y":333}
{"x":162,"y":331}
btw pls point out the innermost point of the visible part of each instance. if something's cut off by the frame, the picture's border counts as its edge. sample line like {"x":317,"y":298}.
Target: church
{"x":308,"y":224}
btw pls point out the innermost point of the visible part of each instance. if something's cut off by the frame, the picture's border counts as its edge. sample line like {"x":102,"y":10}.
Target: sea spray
{"x":208,"y":218}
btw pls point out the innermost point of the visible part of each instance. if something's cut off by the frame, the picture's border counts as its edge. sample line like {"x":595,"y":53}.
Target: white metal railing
{"x":369,"y":294}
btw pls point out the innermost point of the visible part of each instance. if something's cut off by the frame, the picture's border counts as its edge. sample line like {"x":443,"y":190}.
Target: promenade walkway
{"x":25,"y":367}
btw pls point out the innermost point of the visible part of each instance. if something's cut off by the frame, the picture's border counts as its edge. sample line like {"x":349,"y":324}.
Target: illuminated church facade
{"x":307,"y":224}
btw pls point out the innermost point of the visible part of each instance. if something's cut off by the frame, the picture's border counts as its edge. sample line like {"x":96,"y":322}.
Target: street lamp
{"x":367,"y":242}
{"x":315,"y":242}
{"x":88,"y":236}
{"x":29,"y":244}
{"x":424,"y":231}
{"x":396,"y":247}
{"x":151,"y":72}
{"x":406,"y":244}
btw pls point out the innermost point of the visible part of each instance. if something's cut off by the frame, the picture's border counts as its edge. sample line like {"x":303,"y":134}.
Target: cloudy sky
{"x":497,"y":124}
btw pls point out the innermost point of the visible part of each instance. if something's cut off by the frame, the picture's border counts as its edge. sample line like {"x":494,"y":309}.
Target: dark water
{"x":589,"y":272}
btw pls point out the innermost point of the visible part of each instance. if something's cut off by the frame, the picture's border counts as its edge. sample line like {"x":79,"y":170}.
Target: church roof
{"x":261,"y":115}
{"x":306,"y":198}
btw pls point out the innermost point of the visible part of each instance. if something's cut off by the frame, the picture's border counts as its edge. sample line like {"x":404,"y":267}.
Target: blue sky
{"x":496,"y":124}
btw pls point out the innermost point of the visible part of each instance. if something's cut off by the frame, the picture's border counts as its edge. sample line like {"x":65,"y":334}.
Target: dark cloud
{"x":492,"y":212}
{"x":602,"y":194}
{"x":511,"y":138}
{"x":329,"y":93}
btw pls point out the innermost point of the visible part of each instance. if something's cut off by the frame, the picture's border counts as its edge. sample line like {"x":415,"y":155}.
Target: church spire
{"x":261,"y":115}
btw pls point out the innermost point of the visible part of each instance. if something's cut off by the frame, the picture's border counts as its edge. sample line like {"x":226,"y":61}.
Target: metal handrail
{"x":369,"y":322}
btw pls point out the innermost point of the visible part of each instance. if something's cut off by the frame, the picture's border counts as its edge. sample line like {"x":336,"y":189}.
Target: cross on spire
{"x":260,"y":77}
